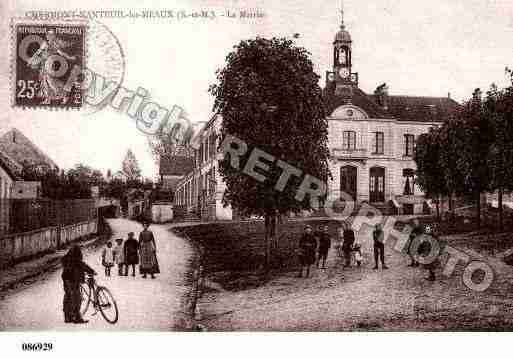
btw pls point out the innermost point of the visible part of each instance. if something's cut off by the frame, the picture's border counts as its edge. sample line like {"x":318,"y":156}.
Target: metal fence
{"x":23,"y":215}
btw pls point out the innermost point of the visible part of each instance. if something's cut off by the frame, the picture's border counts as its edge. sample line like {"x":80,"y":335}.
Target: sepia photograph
{"x":254,"y":166}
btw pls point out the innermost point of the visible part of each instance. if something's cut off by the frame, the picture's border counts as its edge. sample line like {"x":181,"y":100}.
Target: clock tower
{"x":341,"y":77}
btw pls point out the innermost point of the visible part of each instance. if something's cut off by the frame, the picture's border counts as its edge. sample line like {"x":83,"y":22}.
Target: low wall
{"x":22,"y":245}
{"x":162,"y":212}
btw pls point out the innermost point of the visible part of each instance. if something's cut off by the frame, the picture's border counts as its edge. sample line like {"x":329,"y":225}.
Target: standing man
{"x":379,"y":246}
{"x":324,"y":247}
{"x":307,"y":245}
{"x":347,"y":246}
{"x":73,"y":274}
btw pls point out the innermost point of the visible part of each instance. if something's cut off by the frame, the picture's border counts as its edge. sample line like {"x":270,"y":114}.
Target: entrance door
{"x":348,"y":176}
{"x":377,"y":184}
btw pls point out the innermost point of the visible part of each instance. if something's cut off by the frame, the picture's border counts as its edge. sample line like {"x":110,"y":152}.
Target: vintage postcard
{"x":255,"y":166}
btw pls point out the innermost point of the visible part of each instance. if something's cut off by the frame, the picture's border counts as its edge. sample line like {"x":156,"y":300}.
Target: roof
{"x":416,"y":108}
{"x":175,"y":165}
{"x":12,"y":168}
{"x":342,"y":35}
{"x":401,"y":108}
{"x":18,"y":147}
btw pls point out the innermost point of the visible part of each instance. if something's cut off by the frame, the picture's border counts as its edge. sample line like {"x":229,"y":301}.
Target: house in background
{"x":19,"y":148}
{"x":120,"y":176}
{"x":9,"y":172}
{"x":173,"y":167}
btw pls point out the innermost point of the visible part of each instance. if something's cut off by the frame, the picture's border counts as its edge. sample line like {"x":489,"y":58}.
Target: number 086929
{"x":37,"y":347}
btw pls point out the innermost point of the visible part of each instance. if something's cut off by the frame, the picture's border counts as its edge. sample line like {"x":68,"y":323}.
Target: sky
{"x":419,"y":48}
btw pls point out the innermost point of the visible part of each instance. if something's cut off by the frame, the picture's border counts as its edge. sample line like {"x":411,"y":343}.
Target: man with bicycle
{"x":73,"y":274}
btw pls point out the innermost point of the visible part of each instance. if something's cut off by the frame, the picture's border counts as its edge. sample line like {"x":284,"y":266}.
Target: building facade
{"x":201,"y":190}
{"x":372,"y":136}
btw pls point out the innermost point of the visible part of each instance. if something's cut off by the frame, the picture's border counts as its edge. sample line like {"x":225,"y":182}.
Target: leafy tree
{"x":498,"y":107}
{"x":130,"y":167}
{"x":430,"y":176}
{"x":268,"y":96}
{"x":473,"y":157}
{"x":451,"y":142}
{"x":73,"y":184}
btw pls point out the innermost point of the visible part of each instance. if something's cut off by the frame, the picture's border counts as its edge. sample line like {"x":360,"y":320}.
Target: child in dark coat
{"x":131,"y":253}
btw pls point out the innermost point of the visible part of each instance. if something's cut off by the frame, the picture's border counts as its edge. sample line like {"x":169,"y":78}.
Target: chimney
{"x":381,"y":94}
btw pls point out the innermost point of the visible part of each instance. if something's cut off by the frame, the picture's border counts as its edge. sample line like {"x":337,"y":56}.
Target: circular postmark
{"x":106,"y":62}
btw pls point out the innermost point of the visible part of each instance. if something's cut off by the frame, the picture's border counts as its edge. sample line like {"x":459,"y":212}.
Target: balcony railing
{"x":352,"y":153}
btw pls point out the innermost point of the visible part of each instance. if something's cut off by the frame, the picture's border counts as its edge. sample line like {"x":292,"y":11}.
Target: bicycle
{"x":101,"y":298}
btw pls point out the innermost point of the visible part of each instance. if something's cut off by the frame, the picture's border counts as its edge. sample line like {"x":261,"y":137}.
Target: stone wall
{"x":23,"y":245}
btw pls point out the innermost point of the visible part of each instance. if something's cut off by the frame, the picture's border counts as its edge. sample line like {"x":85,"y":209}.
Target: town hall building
{"x":372,"y":136}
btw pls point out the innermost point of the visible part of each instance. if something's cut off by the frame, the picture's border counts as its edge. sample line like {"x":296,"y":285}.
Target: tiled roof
{"x":402,"y":108}
{"x":175,"y":165}
{"x":416,"y":108}
{"x":17,"y":146}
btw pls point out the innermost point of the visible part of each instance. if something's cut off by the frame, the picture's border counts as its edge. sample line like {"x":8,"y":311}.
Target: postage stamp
{"x":47,"y":64}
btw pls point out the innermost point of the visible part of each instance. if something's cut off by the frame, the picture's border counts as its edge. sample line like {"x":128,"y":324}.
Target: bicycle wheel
{"x":85,"y":293}
{"x":107,"y":305}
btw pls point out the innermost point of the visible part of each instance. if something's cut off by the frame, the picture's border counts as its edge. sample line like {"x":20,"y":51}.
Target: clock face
{"x":353,"y":77}
{"x":343,"y":72}
{"x":331,"y":77}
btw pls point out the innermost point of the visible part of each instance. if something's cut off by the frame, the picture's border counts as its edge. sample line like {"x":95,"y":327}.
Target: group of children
{"x":132,"y":252}
{"x":122,"y":254}
{"x":315,"y":246}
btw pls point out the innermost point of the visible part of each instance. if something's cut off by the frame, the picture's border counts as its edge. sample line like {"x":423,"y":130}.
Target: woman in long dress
{"x":148,"y":253}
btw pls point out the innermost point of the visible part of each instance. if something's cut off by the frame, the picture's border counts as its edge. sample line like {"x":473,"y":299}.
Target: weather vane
{"x":342,"y":26}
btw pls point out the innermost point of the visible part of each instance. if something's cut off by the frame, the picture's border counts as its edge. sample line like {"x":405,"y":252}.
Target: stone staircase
{"x":191,"y":217}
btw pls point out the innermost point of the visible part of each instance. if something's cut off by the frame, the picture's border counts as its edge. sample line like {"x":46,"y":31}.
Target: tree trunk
{"x":270,"y":234}
{"x":451,"y":207}
{"x":501,"y":212}
{"x":478,"y":204}
{"x":267,"y":243}
{"x":438,"y":208}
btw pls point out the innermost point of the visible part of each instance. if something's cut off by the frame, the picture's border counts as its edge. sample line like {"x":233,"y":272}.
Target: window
{"x":409,"y":141}
{"x":379,"y":143}
{"x":349,"y":140}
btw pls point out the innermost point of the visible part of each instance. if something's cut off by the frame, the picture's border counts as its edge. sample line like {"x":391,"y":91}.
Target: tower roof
{"x":342,"y":35}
